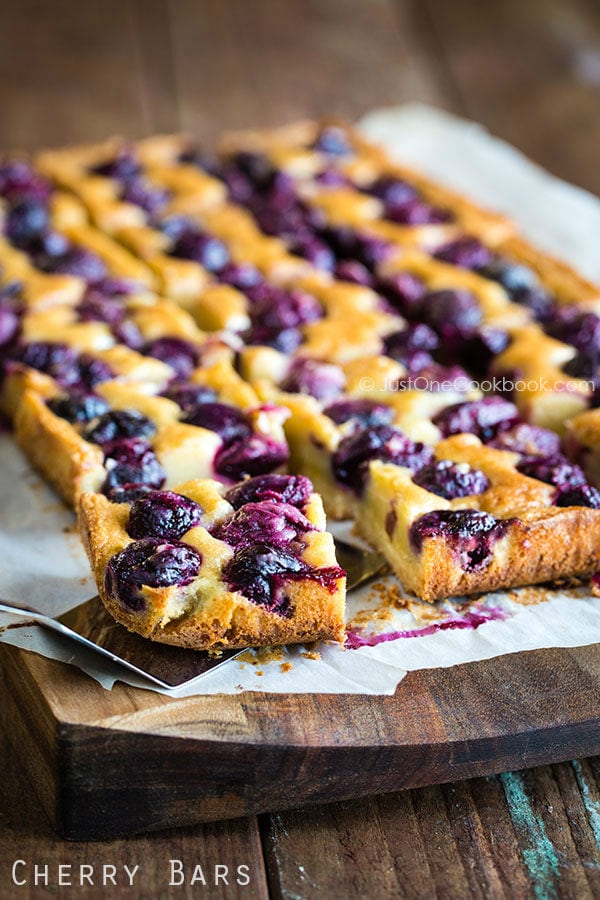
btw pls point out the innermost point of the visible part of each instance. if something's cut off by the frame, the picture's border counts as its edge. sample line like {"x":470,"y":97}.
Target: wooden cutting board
{"x":115,"y":763}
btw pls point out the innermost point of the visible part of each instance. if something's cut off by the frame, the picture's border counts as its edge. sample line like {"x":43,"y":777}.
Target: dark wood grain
{"x":530,"y":71}
{"x":128,"y":761}
{"x":26,"y":833}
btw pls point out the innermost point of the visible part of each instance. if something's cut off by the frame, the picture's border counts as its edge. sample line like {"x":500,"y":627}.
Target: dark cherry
{"x":449,"y":480}
{"x":181,"y":355}
{"x":119,"y":423}
{"x":203,"y":248}
{"x":73,"y":261}
{"x":416,"y":212}
{"x":78,"y":407}
{"x":350,"y":462}
{"x":436,"y":377}
{"x":148,"y":197}
{"x":467,"y":252}
{"x":122,"y":167}
{"x":18,"y":180}
{"x":512,"y":276}
{"x":483,"y":346}
{"x":314,"y":250}
{"x":393,"y":191}
{"x":189,"y":396}
{"x":163,"y":514}
{"x":127,"y":493}
{"x":580,"y":495}
{"x":471,"y":533}
{"x":153,"y":562}
{"x":333,"y":141}
{"x":291,"y":489}
{"x":25,"y":220}
{"x":484,"y":418}
{"x":412,"y":346}
{"x":57,"y":360}
{"x":577,"y":327}
{"x":240,"y":275}
{"x":253,"y":455}
{"x":227,"y":421}
{"x":277,"y":524}
{"x":363,"y":412}
{"x":324,"y":381}
{"x":132,"y":461}
{"x":405,"y":291}
{"x":10,"y":324}
{"x":92,"y":371}
{"x":355,"y":272}
{"x":556,"y":470}
{"x":452,"y":313}
{"x":95,"y":307}
{"x":530,"y":440}
{"x":259,"y":572}
{"x":537,"y":300}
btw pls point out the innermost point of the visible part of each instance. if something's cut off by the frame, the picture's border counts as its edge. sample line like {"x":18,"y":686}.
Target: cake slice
{"x":209,"y":567}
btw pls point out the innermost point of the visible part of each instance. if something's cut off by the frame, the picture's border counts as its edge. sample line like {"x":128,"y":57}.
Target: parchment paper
{"x":43,"y":564}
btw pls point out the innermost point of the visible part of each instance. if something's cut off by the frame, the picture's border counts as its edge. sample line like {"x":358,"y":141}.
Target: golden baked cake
{"x":298,"y":303}
{"x":208,"y":567}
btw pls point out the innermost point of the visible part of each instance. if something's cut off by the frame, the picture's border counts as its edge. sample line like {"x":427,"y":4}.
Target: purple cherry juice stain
{"x":472,"y":619}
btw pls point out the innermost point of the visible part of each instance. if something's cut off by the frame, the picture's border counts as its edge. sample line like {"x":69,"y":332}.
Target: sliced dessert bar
{"x":208,"y":567}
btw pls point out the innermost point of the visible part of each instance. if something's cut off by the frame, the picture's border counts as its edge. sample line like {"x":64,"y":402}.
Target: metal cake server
{"x":91,"y":626}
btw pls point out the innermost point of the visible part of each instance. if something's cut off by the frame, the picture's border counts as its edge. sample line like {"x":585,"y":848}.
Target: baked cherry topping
{"x":191,"y":243}
{"x":227,"y":421}
{"x":363,"y":412}
{"x":132,"y":461}
{"x":92,"y":371}
{"x":467,"y":252}
{"x":148,"y":197}
{"x":318,"y":379}
{"x":163,"y":514}
{"x":277,"y":315}
{"x":181,"y":355}
{"x":484,"y":418}
{"x":63,"y":364}
{"x":451,"y":480}
{"x":18,"y":180}
{"x":347,"y":243}
{"x":577,"y":327}
{"x":25,"y":220}
{"x":290,"y":489}
{"x":351,"y":460}
{"x":78,"y":407}
{"x":333,"y":141}
{"x":259,"y":571}
{"x":153,"y":562}
{"x":393,"y":191}
{"x":119,"y":423}
{"x":189,"y":396}
{"x":522,"y":285}
{"x":122,"y":167}
{"x":482,"y":346}
{"x":412,"y":346}
{"x":530,"y":440}
{"x":406,"y":292}
{"x":556,"y":470}
{"x":240,"y":275}
{"x":253,"y":455}
{"x":52,"y":252}
{"x":454,"y":314}
{"x":471,"y":533}
{"x":127,"y":493}
{"x":436,"y":377}
{"x":579,"y":495}
{"x":277,"y":524}
{"x":353,"y":271}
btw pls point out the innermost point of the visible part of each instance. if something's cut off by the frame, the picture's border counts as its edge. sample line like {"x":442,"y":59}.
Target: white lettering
{"x":131,"y":873}
{"x":198,"y":876}
{"x":40,"y":875}
{"x":243,"y":875}
{"x":108,"y":874}
{"x":176,"y":870}
{"x":85,"y":874}
{"x":64,"y":872}
{"x":223,"y":876}
{"x":18,"y":862}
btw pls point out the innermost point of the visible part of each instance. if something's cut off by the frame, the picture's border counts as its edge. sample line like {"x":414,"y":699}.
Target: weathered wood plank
{"x":531,"y":73}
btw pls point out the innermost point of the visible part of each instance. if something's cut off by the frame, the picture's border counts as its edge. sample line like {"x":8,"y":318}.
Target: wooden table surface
{"x":530,"y":71}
